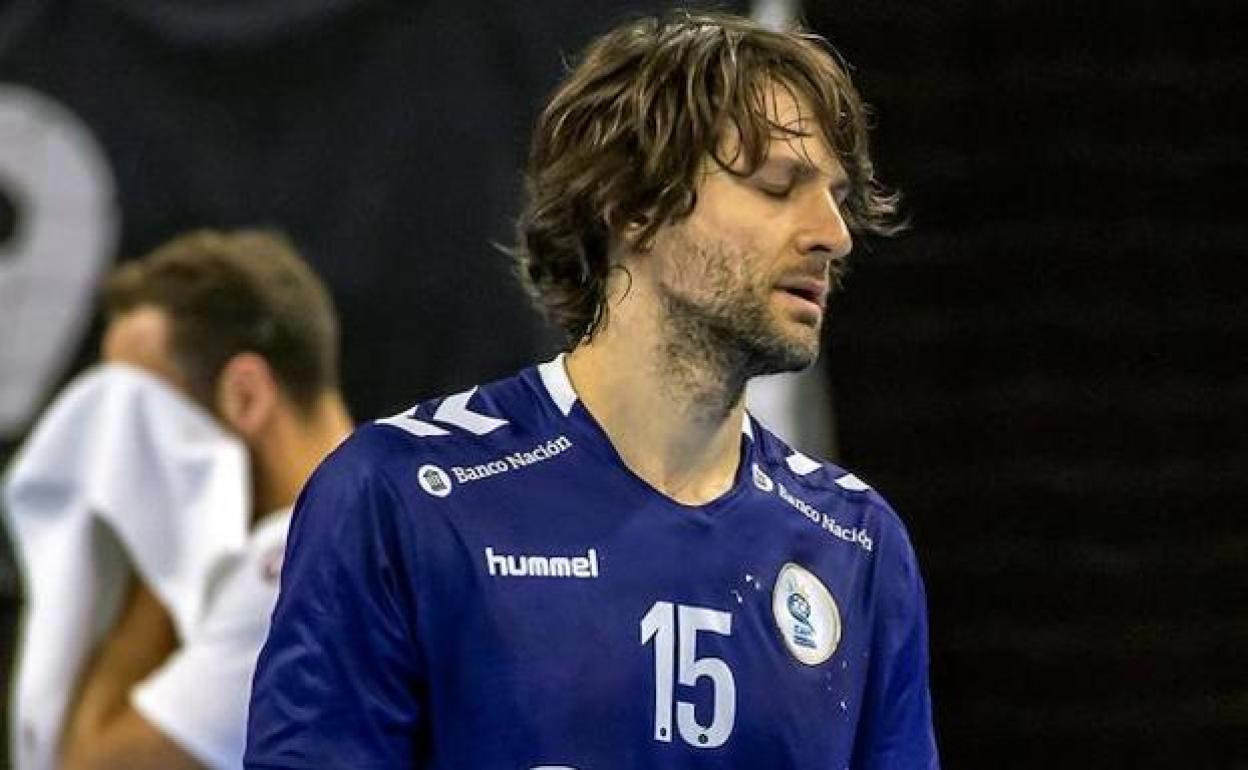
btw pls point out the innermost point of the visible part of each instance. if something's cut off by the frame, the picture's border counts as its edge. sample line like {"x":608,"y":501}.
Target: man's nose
{"x":824,"y":229}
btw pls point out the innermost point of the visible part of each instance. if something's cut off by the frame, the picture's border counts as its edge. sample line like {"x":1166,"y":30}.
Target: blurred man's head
{"x":236,"y":320}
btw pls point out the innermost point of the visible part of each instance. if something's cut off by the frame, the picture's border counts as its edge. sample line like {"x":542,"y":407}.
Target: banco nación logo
{"x":434,"y":480}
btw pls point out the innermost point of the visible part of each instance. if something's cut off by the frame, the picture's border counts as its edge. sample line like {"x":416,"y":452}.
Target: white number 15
{"x":660,"y":624}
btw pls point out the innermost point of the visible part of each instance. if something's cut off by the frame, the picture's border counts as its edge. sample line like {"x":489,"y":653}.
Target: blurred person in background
{"x":240,"y":324}
{"x":605,"y":561}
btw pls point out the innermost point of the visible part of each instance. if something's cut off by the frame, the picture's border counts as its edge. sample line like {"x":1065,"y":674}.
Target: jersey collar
{"x":554,"y":376}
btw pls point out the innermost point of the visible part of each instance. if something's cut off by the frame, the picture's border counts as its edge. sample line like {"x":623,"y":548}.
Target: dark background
{"x":1046,"y":375}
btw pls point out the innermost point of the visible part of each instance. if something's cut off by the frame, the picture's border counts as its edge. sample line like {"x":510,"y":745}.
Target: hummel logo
{"x":505,"y":565}
{"x":454,"y":411}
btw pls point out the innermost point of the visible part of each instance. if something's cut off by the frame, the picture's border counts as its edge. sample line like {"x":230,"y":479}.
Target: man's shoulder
{"x":811,"y":473}
{"x":452,"y":428}
{"x":824,"y":484}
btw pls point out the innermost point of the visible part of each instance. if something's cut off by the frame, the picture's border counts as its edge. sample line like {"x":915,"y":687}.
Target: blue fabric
{"x":406,"y":637}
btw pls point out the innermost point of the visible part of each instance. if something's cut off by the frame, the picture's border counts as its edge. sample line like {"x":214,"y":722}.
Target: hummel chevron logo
{"x":409,"y":423}
{"x":452,"y":411}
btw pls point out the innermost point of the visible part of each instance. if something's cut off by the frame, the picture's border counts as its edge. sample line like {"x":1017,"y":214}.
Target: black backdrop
{"x":1048,"y":375}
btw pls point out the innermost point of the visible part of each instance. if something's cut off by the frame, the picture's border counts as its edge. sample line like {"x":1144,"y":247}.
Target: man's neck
{"x":674,"y":417}
{"x":292,"y":448}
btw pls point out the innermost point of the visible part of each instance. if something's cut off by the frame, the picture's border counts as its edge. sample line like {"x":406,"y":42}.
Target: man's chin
{"x":788,"y":355}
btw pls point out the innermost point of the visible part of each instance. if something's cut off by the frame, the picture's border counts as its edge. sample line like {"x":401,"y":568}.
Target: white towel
{"x":122,"y":472}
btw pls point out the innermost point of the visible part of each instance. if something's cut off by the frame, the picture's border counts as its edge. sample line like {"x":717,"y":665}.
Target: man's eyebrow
{"x":804,"y":170}
{"x":797,"y":166}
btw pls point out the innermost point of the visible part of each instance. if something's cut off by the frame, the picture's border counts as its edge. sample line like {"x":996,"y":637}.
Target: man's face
{"x":749,"y":271}
{"x":142,"y":337}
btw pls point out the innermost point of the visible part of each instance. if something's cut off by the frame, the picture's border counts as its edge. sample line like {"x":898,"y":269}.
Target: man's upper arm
{"x":133,"y":743}
{"x":103,"y":732}
{"x":336,"y":685}
{"x":198,"y":698}
{"x":898,"y":732}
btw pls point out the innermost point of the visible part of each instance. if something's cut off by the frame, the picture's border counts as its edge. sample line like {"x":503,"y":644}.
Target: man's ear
{"x":633,"y":232}
{"x":247,"y":394}
{"x":628,"y":228}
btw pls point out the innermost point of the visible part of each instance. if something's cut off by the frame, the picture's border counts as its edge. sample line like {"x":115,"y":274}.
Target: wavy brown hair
{"x":625,"y":135}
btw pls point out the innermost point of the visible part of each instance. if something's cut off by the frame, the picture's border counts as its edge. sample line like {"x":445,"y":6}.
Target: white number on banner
{"x":674,"y":630}
{"x":60,"y":222}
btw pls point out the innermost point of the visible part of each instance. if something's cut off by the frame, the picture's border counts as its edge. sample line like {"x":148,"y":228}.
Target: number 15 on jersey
{"x":674,"y":630}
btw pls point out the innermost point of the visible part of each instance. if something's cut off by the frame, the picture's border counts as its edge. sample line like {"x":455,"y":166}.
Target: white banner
{"x":65,"y":223}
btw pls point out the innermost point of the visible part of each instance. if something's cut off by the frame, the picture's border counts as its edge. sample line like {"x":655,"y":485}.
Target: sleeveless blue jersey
{"x":482,"y":583}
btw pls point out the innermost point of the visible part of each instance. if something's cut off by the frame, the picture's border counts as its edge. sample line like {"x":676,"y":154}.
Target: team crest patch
{"x":806,"y":615}
{"x":434,"y":480}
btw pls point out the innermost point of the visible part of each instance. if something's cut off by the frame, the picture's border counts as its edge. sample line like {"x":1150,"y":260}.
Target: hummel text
{"x":506,"y":565}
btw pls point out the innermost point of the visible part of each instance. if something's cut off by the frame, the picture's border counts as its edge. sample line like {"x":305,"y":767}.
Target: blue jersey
{"x":481,"y":582}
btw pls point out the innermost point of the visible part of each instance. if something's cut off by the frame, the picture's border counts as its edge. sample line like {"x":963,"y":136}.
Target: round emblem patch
{"x":434,"y":480}
{"x":806,"y":615}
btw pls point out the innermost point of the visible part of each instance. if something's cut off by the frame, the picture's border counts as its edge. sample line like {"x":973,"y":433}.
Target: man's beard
{"x":730,"y":327}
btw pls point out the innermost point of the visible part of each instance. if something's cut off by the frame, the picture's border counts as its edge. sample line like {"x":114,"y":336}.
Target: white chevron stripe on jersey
{"x":413,"y":426}
{"x":558,"y":385}
{"x":801,"y":464}
{"x":454,"y":411}
{"x":852,"y":483}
